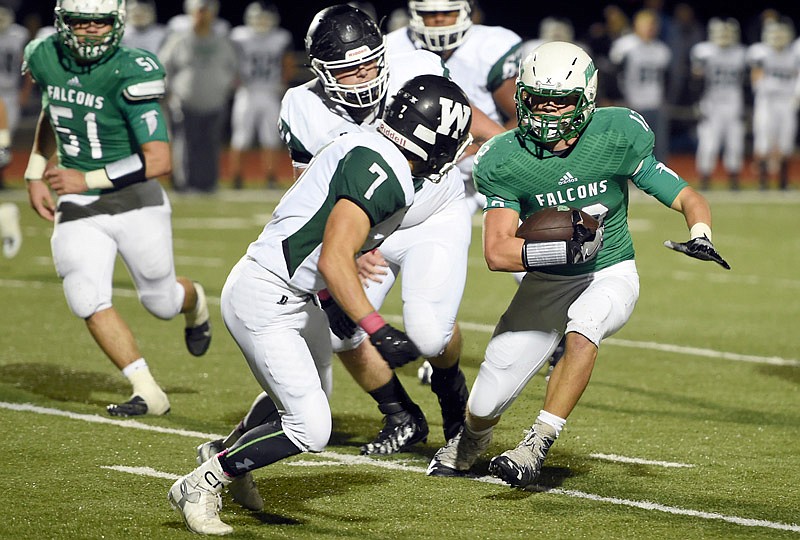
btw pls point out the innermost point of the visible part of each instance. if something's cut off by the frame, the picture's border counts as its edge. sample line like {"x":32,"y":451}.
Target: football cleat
{"x":199,"y":503}
{"x":521,"y":466}
{"x":10,"y":229}
{"x":137,"y":406}
{"x":424,"y":372}
{"x":243,"y":489}
{"x":401,"y":430}
{"x":197,"y":334}
{"x":459,"y":454}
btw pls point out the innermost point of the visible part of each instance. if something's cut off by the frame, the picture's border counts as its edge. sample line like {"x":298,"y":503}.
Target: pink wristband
{"x":372,"y":323}
{"x":324,"y":295}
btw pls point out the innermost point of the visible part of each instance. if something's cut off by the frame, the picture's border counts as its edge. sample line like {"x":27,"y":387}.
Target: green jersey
{"x":101,"y":112}
{"x":616,"y":146}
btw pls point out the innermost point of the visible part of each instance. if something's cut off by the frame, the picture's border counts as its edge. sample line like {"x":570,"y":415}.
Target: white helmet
{"x":723,"y":32}
{"x":439,"y":38}
{"x":141,"y":13}
{"x":261,"y":17}
{"x":556,"y":29}
{"x":779,"y":33}
{"x":97,"y":47}
{"x":555,"y":70}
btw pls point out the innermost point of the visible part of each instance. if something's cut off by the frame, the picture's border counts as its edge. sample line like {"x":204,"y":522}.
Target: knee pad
{"x":164,"y":304}
{"x":310,"y":428}
{"x":430,"y":336}
{"x":83,"y":297}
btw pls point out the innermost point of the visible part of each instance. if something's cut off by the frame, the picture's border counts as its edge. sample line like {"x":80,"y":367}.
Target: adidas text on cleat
{"x":459,"y":454}
{"x":197,"y":333}
{"x":243,"y":489}
{"x":401,"y":430}
{"x":137,"y":406}
{"x":521,"y":466}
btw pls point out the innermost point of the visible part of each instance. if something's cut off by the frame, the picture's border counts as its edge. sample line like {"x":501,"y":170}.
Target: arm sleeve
{"x":658,"y":180}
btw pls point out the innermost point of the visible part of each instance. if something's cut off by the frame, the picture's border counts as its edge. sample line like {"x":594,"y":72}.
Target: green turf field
{"x":690,"y":427}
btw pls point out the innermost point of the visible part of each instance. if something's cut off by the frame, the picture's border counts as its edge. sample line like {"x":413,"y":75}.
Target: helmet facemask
{"x":439,"y":38}
{"x":563,"y":73}
{"x":88,"y":47}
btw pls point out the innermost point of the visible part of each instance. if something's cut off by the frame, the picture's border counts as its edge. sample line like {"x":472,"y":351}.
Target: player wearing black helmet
{"x":354,"y":194}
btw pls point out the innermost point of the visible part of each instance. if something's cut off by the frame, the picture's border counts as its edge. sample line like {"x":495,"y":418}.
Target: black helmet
{"x":344,"y":37}
{"x":429,"y":118}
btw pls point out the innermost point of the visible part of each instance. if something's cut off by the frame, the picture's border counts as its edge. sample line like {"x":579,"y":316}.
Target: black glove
{"x":395,"y":346}
{"x":699,"y":248}
{"x":341,"y":325}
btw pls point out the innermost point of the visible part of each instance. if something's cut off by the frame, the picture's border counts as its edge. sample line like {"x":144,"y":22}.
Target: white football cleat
{"x":10,"y":229}
{"x":243,"y":489}
{"x":196,"y":497}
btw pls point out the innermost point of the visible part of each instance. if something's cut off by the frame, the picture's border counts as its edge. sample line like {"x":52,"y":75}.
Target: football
{"x":553,"y":224}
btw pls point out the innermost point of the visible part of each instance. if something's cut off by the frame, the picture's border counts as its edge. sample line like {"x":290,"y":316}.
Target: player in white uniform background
{"x":13,"y":38}
{"x":481,"y":59}
{"x":142,"y":30}
{"x":354,"y":194}
{"x":265,"y":65}
{"x":719,"y":65}
{"x":642,"y":61}
{"x":183,"y":21}
{"x":774,"y":70}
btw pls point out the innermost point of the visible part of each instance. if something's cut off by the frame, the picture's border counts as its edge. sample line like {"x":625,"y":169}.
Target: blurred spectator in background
{"x":398,"y":18}
{"x":774,"y":70}
{"x":183,"y":21}
{"x":642,"y":61}
{"x":202,"y":67}
{"x":551,"y":29}
{"x":13,"y":38}
{"x":718,"y":67}
{"x":599,"y":38}
{"x":265,"y":67}
{"x":685,"y":32}
{"x":141,"y":30}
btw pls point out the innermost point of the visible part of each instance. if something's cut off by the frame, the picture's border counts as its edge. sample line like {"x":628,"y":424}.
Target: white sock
{"x":556,"y":422}
{"x":198,"y":315}
{"x":475,"y":434}
{"x":134,"y":366}
{"x":210,"y":476}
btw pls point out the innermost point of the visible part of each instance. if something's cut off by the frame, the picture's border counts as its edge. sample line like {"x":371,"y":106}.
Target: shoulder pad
{"x":144,"y":76}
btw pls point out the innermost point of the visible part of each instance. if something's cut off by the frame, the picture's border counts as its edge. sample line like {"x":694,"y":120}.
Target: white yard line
{"x":638,"y":461}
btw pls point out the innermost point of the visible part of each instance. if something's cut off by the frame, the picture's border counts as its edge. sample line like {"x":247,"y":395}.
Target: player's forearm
{"x":341,"y":276}
{"x":157,"y":158}
{"x":44,"y":139}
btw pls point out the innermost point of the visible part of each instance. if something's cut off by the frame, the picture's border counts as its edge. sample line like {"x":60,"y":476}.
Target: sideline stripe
{"x":486,"y":328}
{"x":363,"y":460}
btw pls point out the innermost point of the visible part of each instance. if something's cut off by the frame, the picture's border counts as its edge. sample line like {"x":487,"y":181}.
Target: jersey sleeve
{"x":29,"y":64}
{"x":658,"y":180}
{"x":506,"y":65}
{"x":366,"y":179}
{"x":637,"y":137}
{"x":141,"y":88}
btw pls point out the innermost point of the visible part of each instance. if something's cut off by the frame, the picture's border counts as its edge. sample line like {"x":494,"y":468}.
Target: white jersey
{"x":365,"y":168}
{"x":149,"y":38}
{"x":12,"y":42}
{"x":261,"y":55}
{"x":780,"y":71}
{"x":309,"y":121}
{"x":643,"y":67}
{"x":488,"y":56}
{"x":723,"y":73}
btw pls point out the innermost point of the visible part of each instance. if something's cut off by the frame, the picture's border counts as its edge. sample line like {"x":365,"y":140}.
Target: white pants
{"x":254,"y":116}
{"x":774,"y":126}
{"x":283,"y":335}
{"x":85,"y":250}
{"x":433,"y":259}
{"x":722,"y":126}
{"x":544,"y":308}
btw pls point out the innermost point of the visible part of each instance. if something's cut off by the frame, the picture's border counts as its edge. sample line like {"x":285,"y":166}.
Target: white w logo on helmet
{"x":453,"y":113}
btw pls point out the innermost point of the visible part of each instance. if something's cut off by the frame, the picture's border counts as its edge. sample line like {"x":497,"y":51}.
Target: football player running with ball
{"x":354,"y":194}
{"x":102,"y":104}
{"x":564,"y":152}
